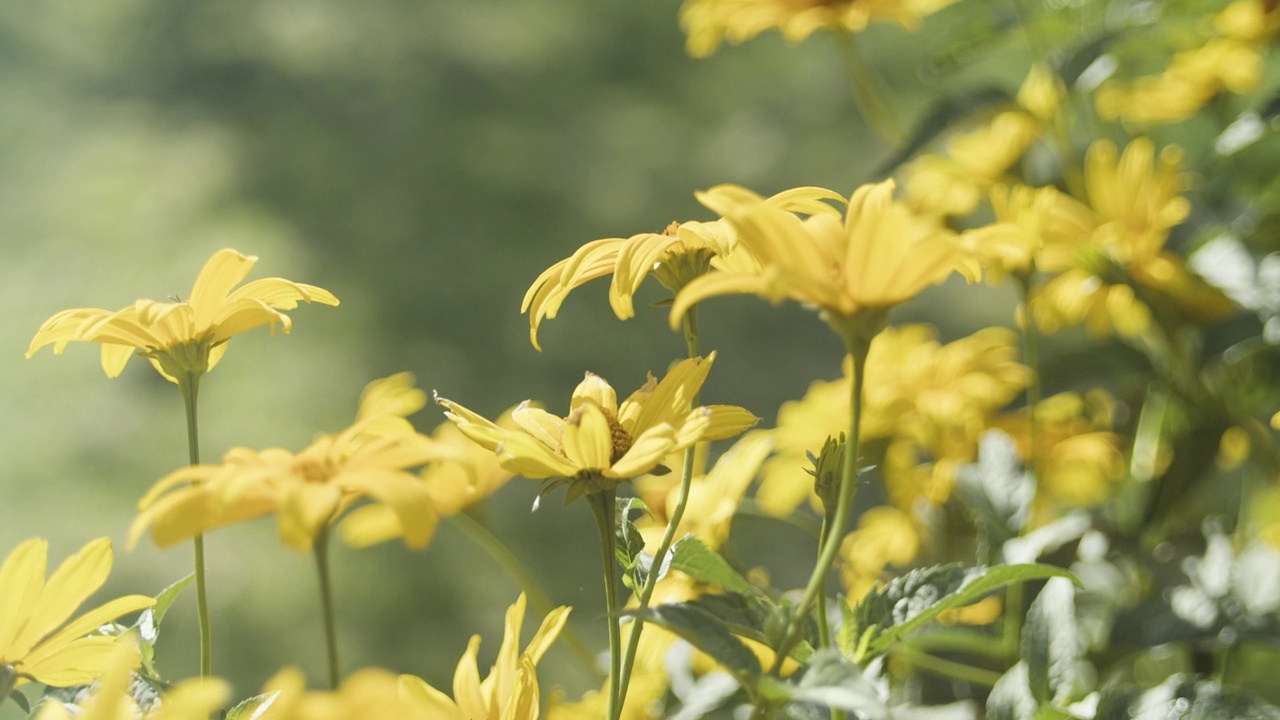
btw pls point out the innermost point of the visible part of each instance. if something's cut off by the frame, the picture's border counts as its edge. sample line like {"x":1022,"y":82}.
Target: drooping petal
{"x":636,"y":259}
{"x":282,"y":294}
{"x":713,"y":284}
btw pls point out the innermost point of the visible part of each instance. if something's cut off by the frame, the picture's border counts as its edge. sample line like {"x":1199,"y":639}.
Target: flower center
{"x":621,"y":438}
{"x":311,"y":469}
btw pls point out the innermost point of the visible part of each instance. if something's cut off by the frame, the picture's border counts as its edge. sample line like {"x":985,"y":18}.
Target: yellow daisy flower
{"x":183,"y":337}
{"x":510,"y":691}
{"x":879,"y":254}
{"x":309,"y":490}
{"x":194,"y":699}
{"x":954,"y":184}
{"x":675,"y":256}
{"x":368,"y":693}
{"x":1034,"y":228}
{"x":38,"y":639}
{"x":708,"y":23}
{"x":601,"y":439}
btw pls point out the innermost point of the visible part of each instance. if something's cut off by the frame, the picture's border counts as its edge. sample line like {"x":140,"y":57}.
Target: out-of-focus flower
{"x":1042,"y":92}
{"x":708,"y":23}
{"x":509,"y":692}
{"x":885,"y":536}
{"x":194,"y":699}
{"x":39,"y":641}
{"x":676,"y":256}
{"x":368,"y":693}
{"x":1079,"y":460}
{"x":920,"y":395}
{"x":954,"y":184}
{"x":1034,"y":228}
{"x":183,"y":337}
{"x":600,"y":439}
{"x":877,"y":255}
{"x":309,"y":490}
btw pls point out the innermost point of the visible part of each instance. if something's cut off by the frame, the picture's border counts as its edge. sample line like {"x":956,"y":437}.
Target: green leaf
{"x":148,"y":624}
{"x":247,"y":709}
{"x":905,"y":604}
{"x":831,"y":681}
{"x":630,"y":544}
{"x":1049,"y":642}
{"x":997,"y":489}
{"x":1011,"y":698}
{"x":1183,"y":698}
{"x":707,"y":632}
{"x":693,"y":558}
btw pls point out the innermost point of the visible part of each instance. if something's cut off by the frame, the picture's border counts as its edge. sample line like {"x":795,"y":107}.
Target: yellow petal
{"x":406,"y":495}
{"x":370,"y":525}
{"x":547,"y":633}
{"x":595,"y":391}
{"x":587,"y":438}
{"x":673,"y":395}
{"x":540,"y":424}
{"x":73,"y":582}
{"x":432,"y":703}
{"x":21,"y":580}
{"x":502,"y":678}
{"x":466,"y":683}
{"x":636,"y":259}
{"x":713,"y":284}
{"x":646,"y":452}
{"x":75,"y":630}
{"x":220,"y":274}
{"x":522,"y":455}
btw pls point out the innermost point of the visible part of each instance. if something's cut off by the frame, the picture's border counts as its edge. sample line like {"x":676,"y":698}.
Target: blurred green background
{"x":424,"y":161}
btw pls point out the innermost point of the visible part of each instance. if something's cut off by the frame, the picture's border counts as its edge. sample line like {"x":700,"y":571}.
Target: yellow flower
{"x":676,"y":256}
{"x":954,"y":184}
{"x":1034,"y":228}
{"x":368,"y":693}
{"x":711,"y":22}
{"x":885,"y":536}
{"x":920,"y":395}
{"x":309,"y":490}
{"x":1042,"y":92}
{"x":194,"y":699}
{"x":36,"y":640}
{"x":509,"y":692}
{"x":601,"y":438}
{"x":183,"y":337}
{"x":879,"y":255}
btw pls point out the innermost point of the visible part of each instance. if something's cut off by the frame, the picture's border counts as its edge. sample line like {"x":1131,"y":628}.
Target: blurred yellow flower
{"x":601,"y":439}
{"x":885,"y":536}
{"x":920,"y":395}
{"x":1042,"y":92}
{"x":1034,"y":228}
{"x":879,"y":254}
{"x":509,"y":692}
{"x":1080,"y":460}
{"x":38,"y":639}
{"x":367,"y":693}
{"x":309,"y":490}
{"x":194,"y":699}
{"x":676,"y":256}
{"x":954,"y":184}
{"x":183,"y":337}
{"x":708,"y":23}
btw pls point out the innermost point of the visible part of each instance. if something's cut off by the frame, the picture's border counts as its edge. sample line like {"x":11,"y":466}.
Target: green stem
{"x":824,"y":632}
{"x":189,"y":386}
{"x":501,"y":554}
{"x":1031,"y":355}
{"x":946,"y":668}
{"x":878,"y":118}
{"x":858,"y":347}
{"x":320,"y":548}
{"x":602,"y":505}
{"x":668,"y":535}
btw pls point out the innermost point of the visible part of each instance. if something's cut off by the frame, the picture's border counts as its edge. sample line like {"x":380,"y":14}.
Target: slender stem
{"x":947,"y":668}
{"x":602,"y":504}
{"x":858,"y":348}
{"x":878,"y":118}
{"x":1031,"y":356}
{"x":189,"y":386}
{"x":320,"y":548}
{"x":501,"y":554}
{"x":824,"y":632}
{"x":673,"y":524}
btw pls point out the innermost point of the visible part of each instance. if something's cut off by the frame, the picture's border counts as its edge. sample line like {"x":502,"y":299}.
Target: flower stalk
{"x":602,"y":506}
{"x":321,"y":551}
{"x":189,"y":386}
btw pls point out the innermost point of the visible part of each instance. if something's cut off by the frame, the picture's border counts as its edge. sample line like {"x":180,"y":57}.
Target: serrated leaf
{"x":1050,"y":643}
{"x":1011,"y":698}
{"x":251,"y":708}
{"x":709,"y":634}
{"x":889,"y":612}
{"x":693,"y":558}
{"x":1183,"y":698}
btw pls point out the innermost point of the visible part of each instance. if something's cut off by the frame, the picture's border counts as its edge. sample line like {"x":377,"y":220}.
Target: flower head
{"x":38,"y":639}
{"x":711,"y":22}
{"x":955,"y":183}
{"x":509,"y":692}
{"x":600,"y":438}
{"x":879,"y":254}
{"x":675,"y":256}
{"x":185,"y":337}
{"x":308,"y":490}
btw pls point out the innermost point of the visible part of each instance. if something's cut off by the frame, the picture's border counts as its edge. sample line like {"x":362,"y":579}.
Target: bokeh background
{"x":424,"y":161}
